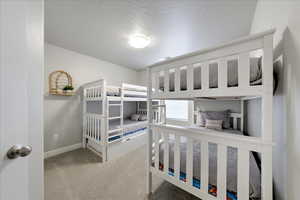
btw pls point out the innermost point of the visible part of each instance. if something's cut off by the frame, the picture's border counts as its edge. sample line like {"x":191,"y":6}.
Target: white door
{"x":21,"y":100}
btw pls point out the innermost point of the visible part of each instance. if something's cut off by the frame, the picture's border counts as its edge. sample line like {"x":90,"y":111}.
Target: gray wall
{"x":63,"y":115}
{"x":213,"y":105}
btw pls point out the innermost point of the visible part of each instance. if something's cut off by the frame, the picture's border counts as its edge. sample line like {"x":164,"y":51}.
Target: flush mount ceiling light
{"x":139,"y":41}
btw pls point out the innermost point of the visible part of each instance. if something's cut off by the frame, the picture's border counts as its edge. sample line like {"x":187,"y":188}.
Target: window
{"x":177,"y":110}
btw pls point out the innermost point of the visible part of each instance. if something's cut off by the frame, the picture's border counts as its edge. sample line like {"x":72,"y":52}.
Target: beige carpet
{"x":80,"y":175}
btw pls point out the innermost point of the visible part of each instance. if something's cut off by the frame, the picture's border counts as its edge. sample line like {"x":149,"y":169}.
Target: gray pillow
{"x":214,"y":124}
{"x":135,"y":117}
{"x":217,"y":115}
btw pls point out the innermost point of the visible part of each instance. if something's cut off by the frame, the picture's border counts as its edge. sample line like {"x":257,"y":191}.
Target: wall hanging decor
{"x":60,"y":83}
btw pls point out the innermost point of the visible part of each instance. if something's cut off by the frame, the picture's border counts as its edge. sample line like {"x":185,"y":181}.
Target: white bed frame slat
{"x":244,"y":70}
{"x":222,"y":73}
{"x":222,"y":172}
{"x":190,"y":77}
{"x":177,"y":80}
{"x":166,"y":81}
{"x":177,"y":157}
{"x":204,"y":166}
{"x":189,"y":161}
{"x":205,"y":76}
{"x":166,"y":152}
{"x":156,"y":146}
{"x":243,"y":175}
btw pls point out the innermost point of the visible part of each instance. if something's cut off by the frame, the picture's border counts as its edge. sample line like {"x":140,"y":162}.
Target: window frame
{"x":183,"y":122}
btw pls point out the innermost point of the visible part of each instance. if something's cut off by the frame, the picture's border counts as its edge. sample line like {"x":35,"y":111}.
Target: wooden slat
{"x":222,"y":73}
{"x":166,"y":80}
{"x":149,"y":142}
{"x":156,"y":148}
{"x":266,"y":174}
{"x":205,"y":76}
{"x":166,"y":152}
{"x":99,"y":128}
{"x":177,"y":157}
{"x":177,"y":80}
{"x":267,"y":63}
{"x":235,"y":119}
{"x":189,"y":161}
{"x":222,"y":172}
{"x":190,"y":78}
{"x":95,"y":127}
{"x":204,"y":166}
{"x":243,"y":175}
{"x":242,"y":115}
{"x":156,"y":78}
{"x":244,"y":70}
{"x":89,"y":121}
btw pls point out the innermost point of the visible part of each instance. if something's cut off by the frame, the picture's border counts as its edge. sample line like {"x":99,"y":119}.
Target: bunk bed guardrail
{"x":238,"y":50}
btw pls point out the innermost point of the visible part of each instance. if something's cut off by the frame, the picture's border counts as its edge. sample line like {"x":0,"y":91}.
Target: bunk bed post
{"x":104,"y":127}
{"x":267,"y":120}
{"x":149,"y":143}
{"x":242,"y":115}
{"x":84,"y":119}
{"x":122,"y":109}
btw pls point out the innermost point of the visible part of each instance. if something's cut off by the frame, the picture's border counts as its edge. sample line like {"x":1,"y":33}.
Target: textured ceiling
{"x":100,"y":28}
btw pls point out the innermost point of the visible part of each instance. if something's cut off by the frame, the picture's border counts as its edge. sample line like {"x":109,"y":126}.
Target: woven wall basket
{"x":57,"y":81}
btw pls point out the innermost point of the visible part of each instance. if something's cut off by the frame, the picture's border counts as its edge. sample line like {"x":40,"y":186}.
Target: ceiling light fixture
{"x":139,"y":41}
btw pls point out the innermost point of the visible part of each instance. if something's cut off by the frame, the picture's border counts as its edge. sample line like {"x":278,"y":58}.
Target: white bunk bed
{"x":181,"y":155}
{"x":104,"y":130}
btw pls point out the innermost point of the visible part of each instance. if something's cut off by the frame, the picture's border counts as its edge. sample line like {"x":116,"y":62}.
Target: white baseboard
{"x":61,"y":150}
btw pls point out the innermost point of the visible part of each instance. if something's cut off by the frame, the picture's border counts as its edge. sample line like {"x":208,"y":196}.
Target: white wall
{"x":284,"y":16}
{"x":63,"y":117}
{"x":142,"y":77}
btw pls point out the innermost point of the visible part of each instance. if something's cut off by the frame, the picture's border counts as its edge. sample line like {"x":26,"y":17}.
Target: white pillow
{"x":135,"y":117}
{"x":213,"y":124}
{"x":143,"y":118}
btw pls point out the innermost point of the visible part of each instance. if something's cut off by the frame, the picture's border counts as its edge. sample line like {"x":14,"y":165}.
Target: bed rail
{"x":94,"y":127}
{"x":238,"y":50}
{"x":94,"y":91}
{"x":243,"y":144}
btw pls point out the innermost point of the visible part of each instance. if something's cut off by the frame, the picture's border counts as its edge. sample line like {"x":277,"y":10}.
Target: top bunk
{"x":240,"y":68}
{"x":97,"y":90}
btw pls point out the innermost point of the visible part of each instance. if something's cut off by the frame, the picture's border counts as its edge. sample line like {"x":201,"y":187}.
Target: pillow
{"x":143,"y":118}
{"x":217,"y":115}
{"x":213,"y":124}
{"x":135,"y":117}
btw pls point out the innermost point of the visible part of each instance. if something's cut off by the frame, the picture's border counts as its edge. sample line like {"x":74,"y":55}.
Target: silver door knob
{"x":18,"y":151}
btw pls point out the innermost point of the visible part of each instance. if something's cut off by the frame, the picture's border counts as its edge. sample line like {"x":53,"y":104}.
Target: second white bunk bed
{"x":106,"y":129}
{"x":183,"y":155}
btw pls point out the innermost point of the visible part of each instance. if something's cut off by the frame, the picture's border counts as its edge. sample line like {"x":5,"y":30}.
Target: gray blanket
{"x":255,"y":181}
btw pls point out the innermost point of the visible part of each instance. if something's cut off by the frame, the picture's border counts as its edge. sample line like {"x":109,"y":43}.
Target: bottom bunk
{"x":208,"y":163}
{"x":119,"y":139}
{"x":254,"y":178}
{"x":115,"y":150}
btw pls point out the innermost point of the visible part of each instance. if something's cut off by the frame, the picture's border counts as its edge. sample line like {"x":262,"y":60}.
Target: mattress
{"x":127,"y":124}
{"x":113,"y":91}
{"x":141,"y":95}
{"x":255,"y":75}
{"x":130,"y":127}
{"x":134,"y":88}
{"x":255,"y":181}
